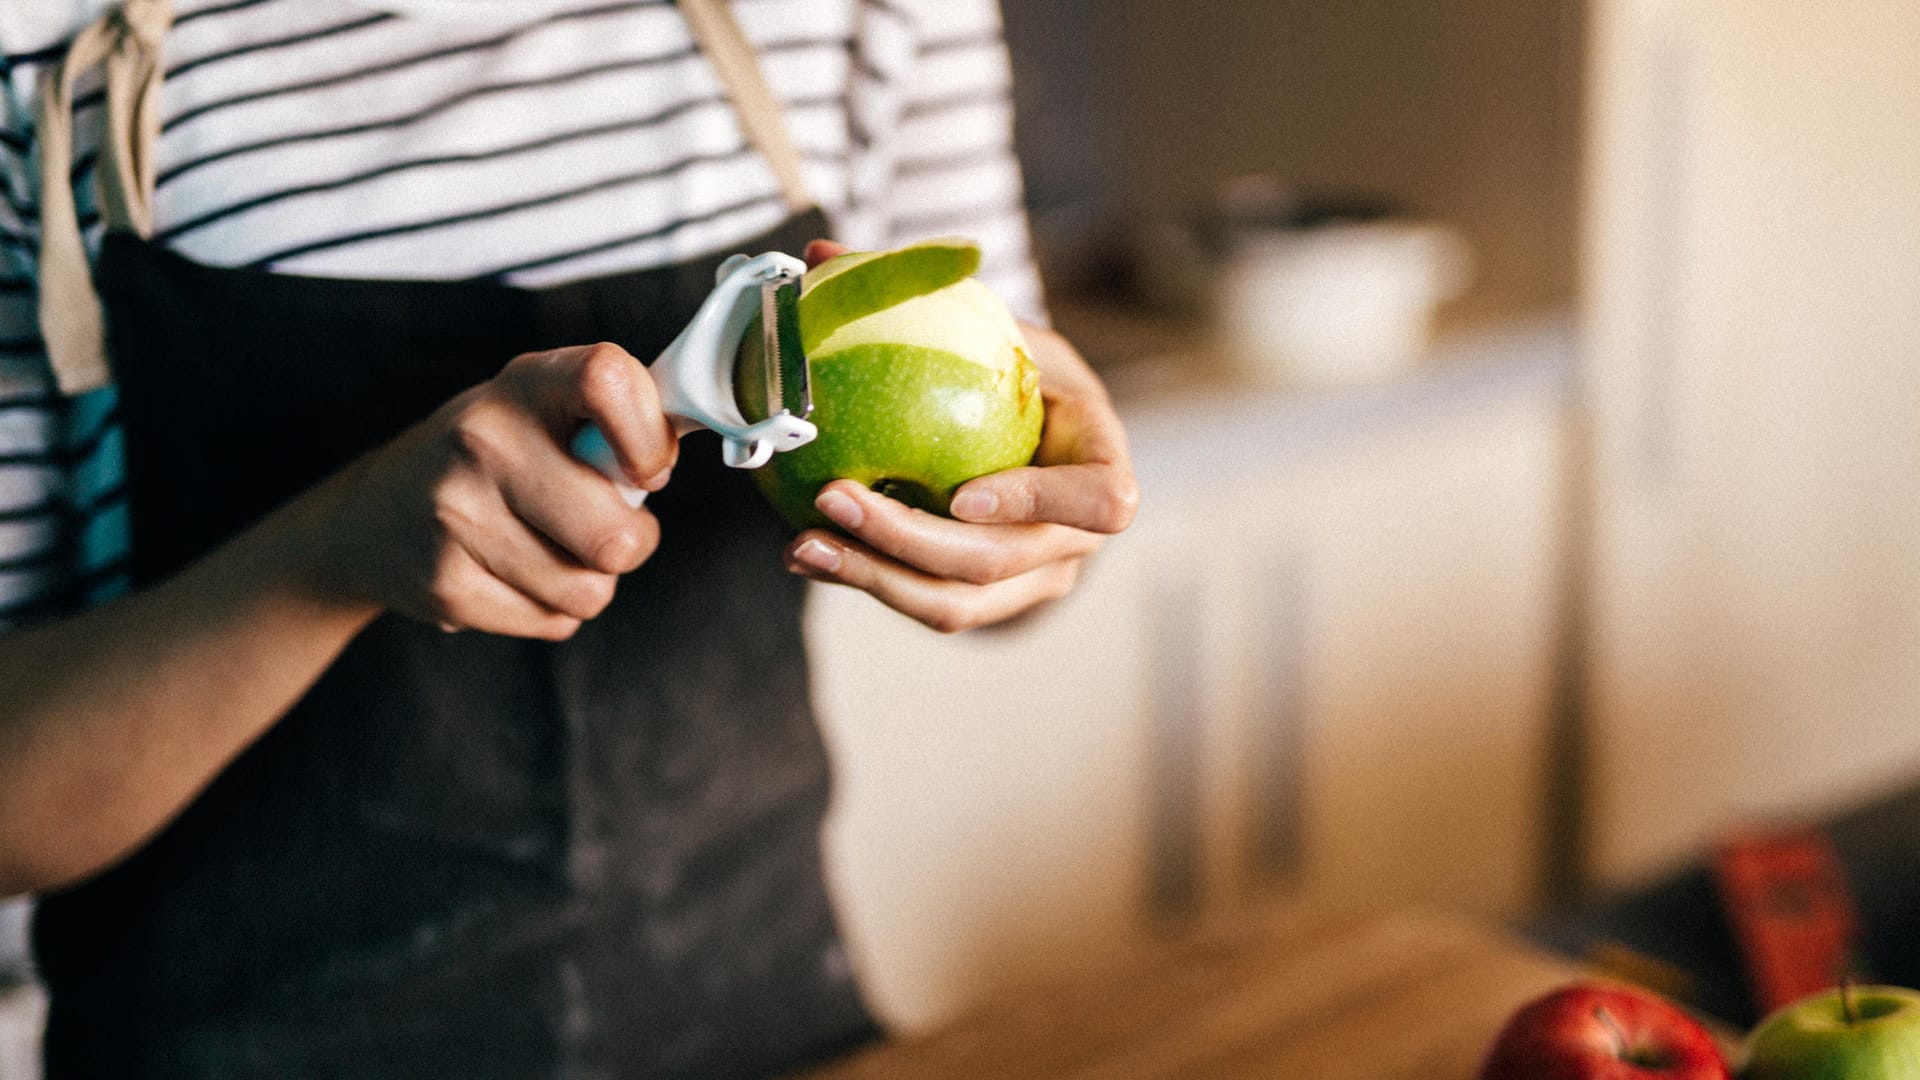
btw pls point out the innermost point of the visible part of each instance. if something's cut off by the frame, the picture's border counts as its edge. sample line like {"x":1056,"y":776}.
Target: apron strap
{"x":761,"y":115}
{"x":128,"y":42}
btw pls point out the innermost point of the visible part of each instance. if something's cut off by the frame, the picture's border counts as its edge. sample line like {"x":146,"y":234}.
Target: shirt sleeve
{"x":63,"y":536}
{"x":954,"y":171}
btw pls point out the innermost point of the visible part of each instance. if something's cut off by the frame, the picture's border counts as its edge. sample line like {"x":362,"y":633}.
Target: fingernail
{"x":819,"y":555}
{"x":658,"y":480}
{"x":975,"y":504}
{"x":840,"y":509}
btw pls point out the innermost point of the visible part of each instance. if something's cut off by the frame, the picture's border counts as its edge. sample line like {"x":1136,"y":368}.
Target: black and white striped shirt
{"x":526,"y":141}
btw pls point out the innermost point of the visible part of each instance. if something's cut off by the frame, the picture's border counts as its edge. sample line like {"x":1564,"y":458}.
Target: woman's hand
{"x":1020,"y":536}
{"x":476,"y":517}
{"x":479,"y":518}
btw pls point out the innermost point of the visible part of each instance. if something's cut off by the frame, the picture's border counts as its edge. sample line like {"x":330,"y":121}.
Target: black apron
{"x":459,"y":855}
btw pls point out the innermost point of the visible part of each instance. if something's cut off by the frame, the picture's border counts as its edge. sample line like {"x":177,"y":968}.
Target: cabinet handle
{"x":1672,"y":89}
{"x":1276,"y":753}
{"x":1174,"y":765}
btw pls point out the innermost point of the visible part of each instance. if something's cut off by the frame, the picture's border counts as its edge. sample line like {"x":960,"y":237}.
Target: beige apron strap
{"x":128,"y":42}
{"x":733,"y":57}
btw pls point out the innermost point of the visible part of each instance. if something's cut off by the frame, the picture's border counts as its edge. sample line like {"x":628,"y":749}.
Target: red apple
{"x":1591,"y":1031}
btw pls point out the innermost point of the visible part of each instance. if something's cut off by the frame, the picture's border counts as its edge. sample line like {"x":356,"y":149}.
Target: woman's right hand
{"x":478,"y":518}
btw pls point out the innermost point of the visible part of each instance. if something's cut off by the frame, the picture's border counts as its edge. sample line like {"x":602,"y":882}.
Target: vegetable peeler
{"x":694,"y":374}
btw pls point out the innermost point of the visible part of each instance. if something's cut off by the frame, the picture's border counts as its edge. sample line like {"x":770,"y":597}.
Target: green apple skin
{"x":912,"y":401}
{"x":1812,"y":1039}
{"x":860,"y":283}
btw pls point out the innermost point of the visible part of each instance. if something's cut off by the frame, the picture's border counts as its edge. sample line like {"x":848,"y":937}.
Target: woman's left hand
{"x":1017,"y":538}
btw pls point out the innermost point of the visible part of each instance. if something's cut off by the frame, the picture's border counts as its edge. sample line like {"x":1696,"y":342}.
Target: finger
{"x":575,"y":508}
{"x":1065,"y":374}
{"x":1082,"y":473}
{"x":978,"y":554}
{"x":605,"y":385}
{"x":819,"y":251}
{"x":1101,"y":498}
{"x":537,"y":571}
{"x":507,"y":456}
{"x":942,"y":604}
{"x":506,"y":547}
{"x":465,"y":596}
{"x":1081,"y":426}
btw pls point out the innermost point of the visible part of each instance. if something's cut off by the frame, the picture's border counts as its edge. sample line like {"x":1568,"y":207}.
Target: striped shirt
{"x":531,"y":142}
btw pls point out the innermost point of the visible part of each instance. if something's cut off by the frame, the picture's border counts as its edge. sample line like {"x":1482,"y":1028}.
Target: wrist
{"x":311,"y":550}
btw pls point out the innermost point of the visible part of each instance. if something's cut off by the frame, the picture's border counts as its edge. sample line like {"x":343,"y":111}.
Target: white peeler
{"x":694,"y":374}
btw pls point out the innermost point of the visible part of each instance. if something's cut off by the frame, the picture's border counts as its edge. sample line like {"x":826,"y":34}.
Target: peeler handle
{"x":694,"y":377}
{"x":590,"y":446}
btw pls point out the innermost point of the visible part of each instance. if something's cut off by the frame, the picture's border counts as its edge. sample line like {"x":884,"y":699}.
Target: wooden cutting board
{"x":1286,"y":996}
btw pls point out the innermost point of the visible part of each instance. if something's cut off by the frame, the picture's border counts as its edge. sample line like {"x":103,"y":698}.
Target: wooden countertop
{"x":1297,"y":995}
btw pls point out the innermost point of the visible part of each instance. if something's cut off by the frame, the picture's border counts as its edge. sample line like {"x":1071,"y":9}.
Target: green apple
{"x":1858,"y":1033}
{"x":912,"y":399}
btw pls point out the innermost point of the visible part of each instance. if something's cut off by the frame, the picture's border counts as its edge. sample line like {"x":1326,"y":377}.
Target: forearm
{"x":474,"y":519}
{"x":112,"y":721}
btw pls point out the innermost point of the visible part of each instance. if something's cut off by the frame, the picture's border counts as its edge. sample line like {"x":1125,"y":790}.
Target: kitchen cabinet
{"x":1320,"y":665}
{"x":1751,"y":312}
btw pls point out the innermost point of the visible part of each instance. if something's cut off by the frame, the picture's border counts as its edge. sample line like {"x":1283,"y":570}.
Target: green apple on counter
{"x":1852,"y":1033}
{"x":920,"y":382}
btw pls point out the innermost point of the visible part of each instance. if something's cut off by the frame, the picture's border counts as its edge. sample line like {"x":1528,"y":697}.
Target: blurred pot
{"x":1337,"y":304}
{"x":1307,"y":290}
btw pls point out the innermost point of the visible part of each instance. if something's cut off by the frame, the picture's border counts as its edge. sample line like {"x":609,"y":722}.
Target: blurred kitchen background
{"x":1526,"y":395}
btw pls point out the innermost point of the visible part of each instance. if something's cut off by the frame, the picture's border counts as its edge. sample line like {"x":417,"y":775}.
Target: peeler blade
{"x":789,"y":380}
